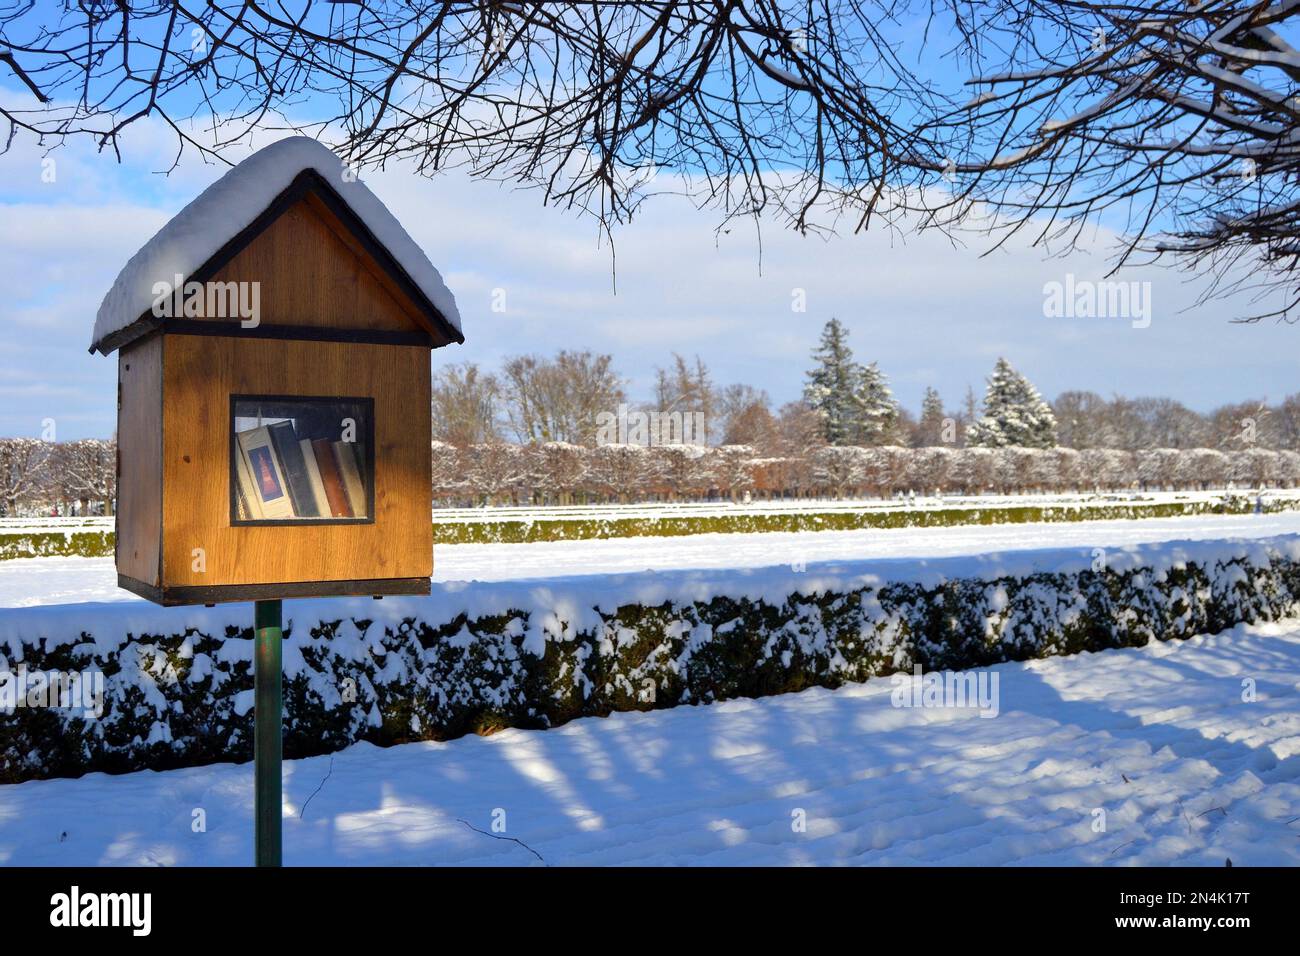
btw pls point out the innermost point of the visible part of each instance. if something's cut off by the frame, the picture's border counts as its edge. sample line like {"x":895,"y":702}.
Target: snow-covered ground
{"x":1285,"y":497}
{"x":38,"y":581}
{"x":1158,"y":738}
{"x":775,"y":506}
{"x":665,"y":509}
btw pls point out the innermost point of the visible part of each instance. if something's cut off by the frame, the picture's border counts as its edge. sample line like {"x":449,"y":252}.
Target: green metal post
{"x":268,"y":706}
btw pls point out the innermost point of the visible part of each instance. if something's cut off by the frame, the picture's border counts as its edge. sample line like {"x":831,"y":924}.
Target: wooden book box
{"x":285,"y":454}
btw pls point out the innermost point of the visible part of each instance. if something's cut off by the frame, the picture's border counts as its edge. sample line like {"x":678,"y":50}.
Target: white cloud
{"x":929,"y":312}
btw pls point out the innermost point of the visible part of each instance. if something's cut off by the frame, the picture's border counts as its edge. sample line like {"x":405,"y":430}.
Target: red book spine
{"x":331,"y":479}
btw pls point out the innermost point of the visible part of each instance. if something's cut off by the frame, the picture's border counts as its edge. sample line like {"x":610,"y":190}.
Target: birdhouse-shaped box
{"x":273,"y":390}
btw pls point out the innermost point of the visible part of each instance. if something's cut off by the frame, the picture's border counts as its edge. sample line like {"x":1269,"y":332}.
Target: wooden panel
{"x":313,"y":272}
{"x":201,"y":374}
{"x":139,"y":460}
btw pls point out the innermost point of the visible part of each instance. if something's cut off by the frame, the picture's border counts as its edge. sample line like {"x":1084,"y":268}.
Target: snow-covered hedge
{"x":559,"y":473}
{"x":34,"y":542}
{"x":478,"y":657}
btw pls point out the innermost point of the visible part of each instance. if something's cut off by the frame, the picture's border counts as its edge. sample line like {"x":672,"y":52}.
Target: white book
{"x":247,"y":496}
{"x":269,"y":488}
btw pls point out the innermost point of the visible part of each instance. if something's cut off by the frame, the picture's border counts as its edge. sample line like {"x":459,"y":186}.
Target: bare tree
{"x":22,"y":466}
{"x":559,"y":399}
{"x":1081,"y":420}
{"x":801,"y":431}
{"x":1134,"y":424}
{"x":466,"y":405}
{"x":754,"y":427}
{"x":1174,"y":120}
{"x":687,"y":389}
{"x":587,"y":101}
{"x":1240,"y":425}
{"x":86,"y":471}
{"x":1286,"y":422}
{"x":734,"y":400}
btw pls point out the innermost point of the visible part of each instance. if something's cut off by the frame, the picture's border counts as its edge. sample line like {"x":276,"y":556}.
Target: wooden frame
{"x":368,"y":403}
{"x":345,"y":325}
{"x":199,"y":376}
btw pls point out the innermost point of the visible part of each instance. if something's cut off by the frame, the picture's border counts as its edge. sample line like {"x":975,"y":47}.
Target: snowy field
{"x":834,"y":505}
{"x":29,"y":582}
{"x":1282,"y":496}
{"x":1158,"y":738}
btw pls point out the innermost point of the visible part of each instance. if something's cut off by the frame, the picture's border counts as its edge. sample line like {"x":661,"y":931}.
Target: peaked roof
{"x":232,"y":211}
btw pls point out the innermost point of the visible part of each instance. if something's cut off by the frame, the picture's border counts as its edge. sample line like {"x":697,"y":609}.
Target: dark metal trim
{"x":367,"y":402}
{"x":226,"y":593}
{"x":307,"y":333}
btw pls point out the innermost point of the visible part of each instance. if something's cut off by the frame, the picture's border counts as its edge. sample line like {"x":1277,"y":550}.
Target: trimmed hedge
{"x":525,"y":531}
{"x":448,"y":669}
{"x":98,"y":544}
{"x":56,"y":544}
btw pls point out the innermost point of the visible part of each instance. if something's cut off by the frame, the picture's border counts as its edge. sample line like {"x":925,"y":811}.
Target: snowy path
{"x":1158,"y":737}
{"x":36,"y":581}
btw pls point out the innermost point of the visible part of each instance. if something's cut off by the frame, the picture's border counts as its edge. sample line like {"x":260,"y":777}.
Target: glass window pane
{"x":301,"y":459}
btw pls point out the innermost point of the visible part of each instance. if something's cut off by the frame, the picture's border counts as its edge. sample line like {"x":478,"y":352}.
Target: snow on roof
{"x":229,"y":205}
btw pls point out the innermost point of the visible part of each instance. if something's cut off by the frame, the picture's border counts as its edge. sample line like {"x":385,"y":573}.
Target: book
{"x":289,"y":453}
{"x":345,"y":453}
{"x":269,"y":489}
{"x":247,"y":496}
{"x":313,"y":475}
{"x":331,"y":479}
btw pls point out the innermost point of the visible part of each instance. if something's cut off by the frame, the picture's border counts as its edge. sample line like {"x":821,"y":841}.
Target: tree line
{"x":533,"y":434}
{"x":79,"y":477}
{"x":45,"y":477}
{"x":844,"y":403}
{"x":558,"y":473}
{"x":539,"y":431}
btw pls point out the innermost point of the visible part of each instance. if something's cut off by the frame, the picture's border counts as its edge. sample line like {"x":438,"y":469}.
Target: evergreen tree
{"x":929,"y":430}
{"x":970,"y":413}
{"x":832,"y":385}
{"x":874,"y":409}
{"x":1014,"y":413}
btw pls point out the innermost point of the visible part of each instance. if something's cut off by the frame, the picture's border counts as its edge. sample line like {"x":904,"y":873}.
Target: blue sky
{"x":928,"y":311}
